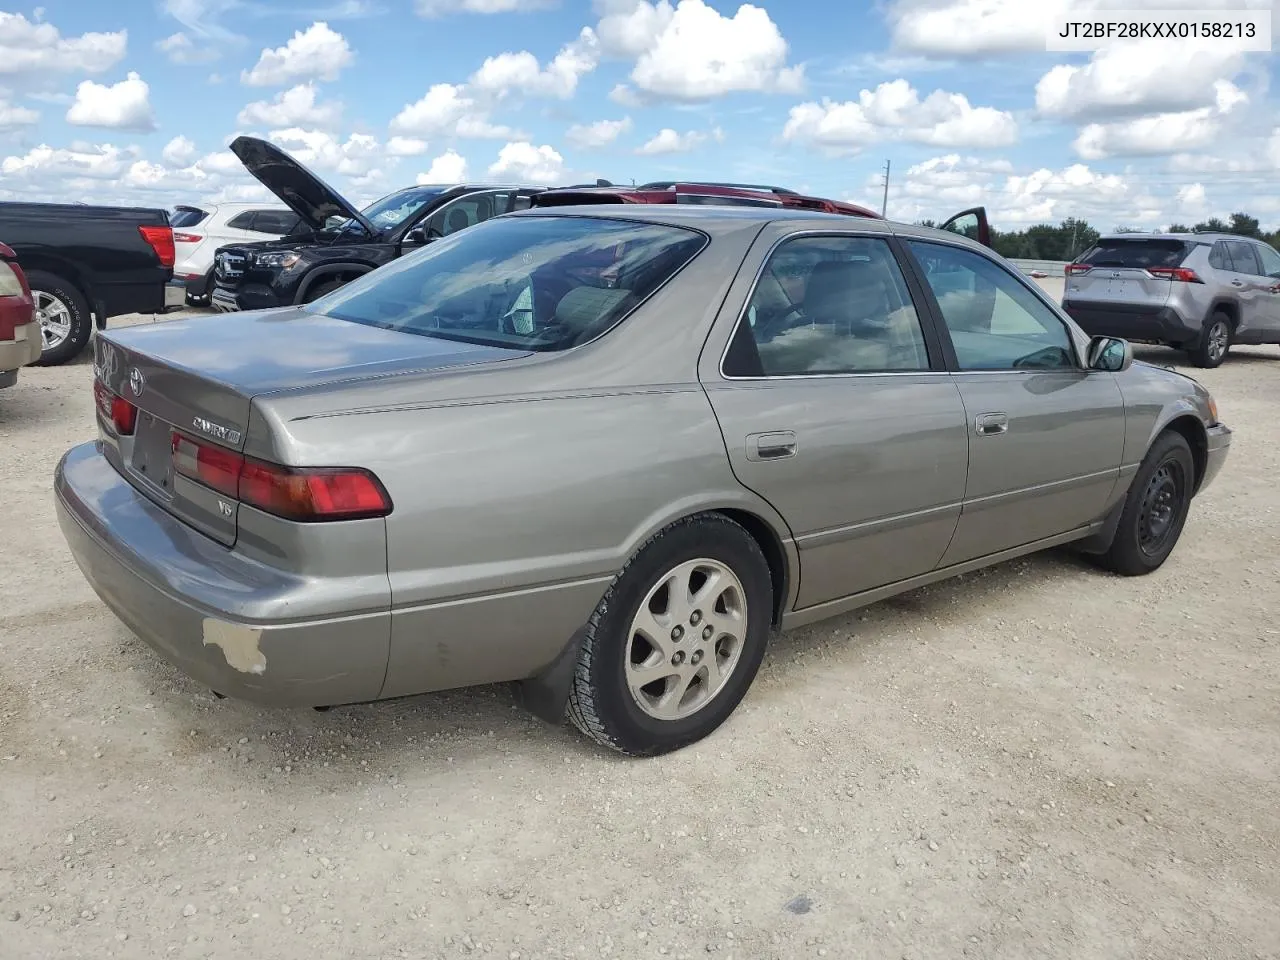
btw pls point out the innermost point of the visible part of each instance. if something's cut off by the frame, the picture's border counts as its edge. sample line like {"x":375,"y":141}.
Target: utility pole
{"x":884,"y":203}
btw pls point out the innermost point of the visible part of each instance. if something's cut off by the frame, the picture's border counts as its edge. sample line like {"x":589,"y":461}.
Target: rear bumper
{"x":23,"y":349}
{"x":1219,"y":443}
{"x":186,"y":596}
{"x":1162,"y":324}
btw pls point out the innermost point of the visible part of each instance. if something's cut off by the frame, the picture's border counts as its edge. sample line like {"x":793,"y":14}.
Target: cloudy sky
{"x":134,"y":101}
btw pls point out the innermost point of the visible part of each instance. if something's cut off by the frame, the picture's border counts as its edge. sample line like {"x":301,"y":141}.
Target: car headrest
{"x":842,"y":290}
{"x":585,"y":308}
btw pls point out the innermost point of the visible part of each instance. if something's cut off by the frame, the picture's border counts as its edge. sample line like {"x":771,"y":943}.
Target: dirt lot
{"x":1038,"y":761}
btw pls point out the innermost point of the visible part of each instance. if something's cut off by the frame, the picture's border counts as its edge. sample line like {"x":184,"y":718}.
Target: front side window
{"x":1270,"y":261}
{"x":467,"y":212}
{"x":532,"y":283}
{"x":1242,"y":258}
{"x":829,"y":305}
{"x":995,"y":322}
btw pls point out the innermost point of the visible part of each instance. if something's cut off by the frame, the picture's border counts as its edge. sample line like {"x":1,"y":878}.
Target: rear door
{"x":1046,"y":435}
{"x":836,"y":408}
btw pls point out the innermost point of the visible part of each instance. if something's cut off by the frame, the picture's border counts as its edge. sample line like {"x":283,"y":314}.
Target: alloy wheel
{"x":54,"y":317}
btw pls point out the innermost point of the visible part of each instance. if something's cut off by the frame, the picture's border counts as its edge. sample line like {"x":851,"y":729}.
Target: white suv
{"x":198,"y":232}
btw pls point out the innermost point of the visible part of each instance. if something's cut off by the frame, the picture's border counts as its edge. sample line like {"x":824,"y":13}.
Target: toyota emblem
{"x":136,"y":381}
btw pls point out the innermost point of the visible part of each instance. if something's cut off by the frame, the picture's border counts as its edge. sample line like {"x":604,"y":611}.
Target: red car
{"x":20,"y":342}
{"x":971,"y":223}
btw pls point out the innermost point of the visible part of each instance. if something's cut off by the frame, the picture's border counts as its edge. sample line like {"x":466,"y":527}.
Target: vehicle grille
{"x":229,"y":266}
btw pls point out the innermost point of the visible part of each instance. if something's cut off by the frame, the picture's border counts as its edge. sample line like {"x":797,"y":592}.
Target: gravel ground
{"x":1036,"y":761}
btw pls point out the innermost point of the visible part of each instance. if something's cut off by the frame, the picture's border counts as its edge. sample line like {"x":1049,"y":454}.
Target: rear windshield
{"x":530,"y":283}
{"x":1145,"y":252}
{"x":186,"y":216}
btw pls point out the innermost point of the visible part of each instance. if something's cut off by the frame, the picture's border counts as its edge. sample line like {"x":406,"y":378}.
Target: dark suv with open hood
{"x":335,"y":242}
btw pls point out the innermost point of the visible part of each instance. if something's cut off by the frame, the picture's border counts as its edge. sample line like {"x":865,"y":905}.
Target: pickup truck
{"x":86,"y":264}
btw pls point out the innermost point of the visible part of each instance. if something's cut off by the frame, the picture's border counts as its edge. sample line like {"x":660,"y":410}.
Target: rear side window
{"x":186,"y":217}
{"x":528,"y":283}
{"x":1139,"y":253}
{"x":278,"y":222}
{"x":241,"y":221}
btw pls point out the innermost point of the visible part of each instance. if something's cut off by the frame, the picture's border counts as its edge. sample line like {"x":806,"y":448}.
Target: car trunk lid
{"x":1138,"y":272}
{"x":197,"y":378}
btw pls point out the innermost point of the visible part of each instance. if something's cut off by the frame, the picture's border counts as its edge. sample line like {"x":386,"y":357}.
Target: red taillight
{"x":1074,"y":268}
{"x":161,"y":241}
{"x":187,"y":238}
{"x":305,"y":494}
{"x":116,"y":410}
{"x":1181,"y":274}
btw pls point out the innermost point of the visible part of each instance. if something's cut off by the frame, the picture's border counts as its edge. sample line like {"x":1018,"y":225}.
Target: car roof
{"x":715,"y":217}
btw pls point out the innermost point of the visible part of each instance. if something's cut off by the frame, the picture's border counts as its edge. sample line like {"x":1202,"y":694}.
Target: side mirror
{"x":416,"y":237}
{"x":1110,"y":353}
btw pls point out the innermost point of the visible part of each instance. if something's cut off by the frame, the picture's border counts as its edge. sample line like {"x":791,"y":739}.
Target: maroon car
{"x":970,"y":223}
{"x":20,"y":341}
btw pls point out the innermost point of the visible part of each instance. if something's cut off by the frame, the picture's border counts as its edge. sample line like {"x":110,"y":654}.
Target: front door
{"x":1266,"y":283}
{"x":1046,"y":435}
{"x":970,"y":223}
{"x":836,"y":408}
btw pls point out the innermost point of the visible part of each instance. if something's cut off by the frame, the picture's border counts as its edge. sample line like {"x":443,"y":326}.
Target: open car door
{"x":971,"y":223}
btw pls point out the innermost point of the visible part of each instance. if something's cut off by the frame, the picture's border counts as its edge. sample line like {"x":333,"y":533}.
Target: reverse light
{"x":187,"y":238}
{"x":303,"y":494}
{"x":1175,"y":273}
{"x":160,"y":239}
{"x":116,"y":410}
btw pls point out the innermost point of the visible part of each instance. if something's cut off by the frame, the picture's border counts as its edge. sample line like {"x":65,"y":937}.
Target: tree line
{"x":1073,"y":236}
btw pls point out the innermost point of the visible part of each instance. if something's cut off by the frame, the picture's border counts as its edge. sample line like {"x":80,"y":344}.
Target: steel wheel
{"x":1161,"y":501}
{"x":686,"y":639}
{"x":54,"y":318}
{"x":1218,"y":339}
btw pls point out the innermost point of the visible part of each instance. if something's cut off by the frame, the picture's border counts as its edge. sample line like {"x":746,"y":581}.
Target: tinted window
{"x":1218,"y":257}
{"x":1139,"y":252}
{"x":1242,"y":258}
{"x":828,"y":305}
{"x":1270,"y":261}
{"x":278,"y":222}
{"x":186,"y":217}
{"x":995,"y":322}
{"x":241,"y":221}
{"x":467,"y":212}
{"x":393,"y":210}
{"x":535,"y":283}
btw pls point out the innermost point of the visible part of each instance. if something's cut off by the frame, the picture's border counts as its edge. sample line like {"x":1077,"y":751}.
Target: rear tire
{"x":702,"y":589}
{"x":1215,"y":342}
{"x":1155,"y":509}
{"x":67,"y":324}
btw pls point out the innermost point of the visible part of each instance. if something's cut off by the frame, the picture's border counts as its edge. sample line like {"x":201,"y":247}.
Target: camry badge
{"x":137,"y":383}
{"x":216,"y":430}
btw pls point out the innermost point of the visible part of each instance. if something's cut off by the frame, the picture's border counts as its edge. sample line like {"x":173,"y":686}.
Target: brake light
{"x":11,"y":284}
{"x":304,"y":494}
{"x":160,"y":240}
{"x":187,"y":238}
{"x":1175,"y":273}
{"x":116,"y":410}
{"x":1074,"y":268}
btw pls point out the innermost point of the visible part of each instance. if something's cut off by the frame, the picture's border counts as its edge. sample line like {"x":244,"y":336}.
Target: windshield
{"x":396,"y":209}
{"x":532,"y":283}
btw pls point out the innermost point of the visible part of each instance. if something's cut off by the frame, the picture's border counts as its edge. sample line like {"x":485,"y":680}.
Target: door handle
{"x":1237,"y":283}
{"x":771,"y":446}
{"x":991,"y":424}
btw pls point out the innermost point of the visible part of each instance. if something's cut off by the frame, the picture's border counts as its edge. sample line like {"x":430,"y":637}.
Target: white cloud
{"x":201,"y":17}
{"x":521,"y":73}
{"x":296,"y":107}
{"x":98,"y":161}
{"x":180,"y":49}
{"x":447,"y":110}
{"x":599,"y":134}
{"x":894,"y":111}
{"x":122,"y":106}
{"x":668,"y":140}
{"x":356,"y":156}
{"x":449,"y":167}
{"x":179,"y":152}
{"x":318,"y":53}
{"x":1162,"y":133}
{"x":524,"y":163}
{"x":1193,"y":202}
{"x":406,"y":147}
{"x":692,"y":52}
{"x":13,"y":116}
{"x":440,"y":8}
{"x":1137,"y":79}
{"x":27,"y":48}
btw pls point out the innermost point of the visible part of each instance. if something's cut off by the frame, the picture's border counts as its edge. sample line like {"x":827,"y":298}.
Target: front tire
{"x":322,"y":289}
{"x":676,"y":641}
{"x":63,"y":315}
{"x":1214,"y":343}
{"x":1155,"y":509}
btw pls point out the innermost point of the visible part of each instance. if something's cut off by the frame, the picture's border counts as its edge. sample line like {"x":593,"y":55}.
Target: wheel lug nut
{"x":677,"y":658}
{"x":695,"y":618}
{"x":707,"y":632}
{"x":677,"y":634}
{"x":696,"y":658}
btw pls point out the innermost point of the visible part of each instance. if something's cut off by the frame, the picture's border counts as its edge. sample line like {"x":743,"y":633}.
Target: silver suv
{"x":1199,"y":292}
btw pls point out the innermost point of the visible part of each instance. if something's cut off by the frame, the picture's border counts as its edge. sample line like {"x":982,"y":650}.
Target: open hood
{"x":300,"y":190}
